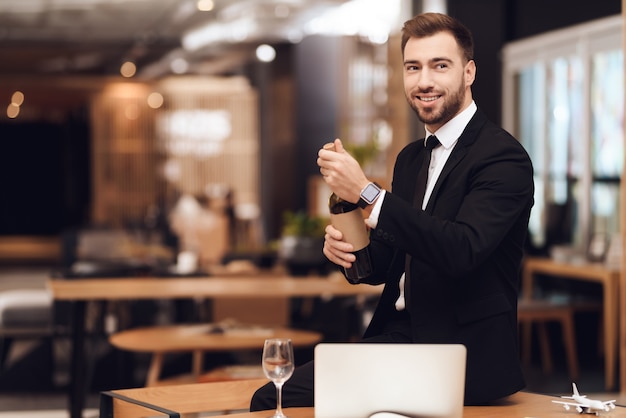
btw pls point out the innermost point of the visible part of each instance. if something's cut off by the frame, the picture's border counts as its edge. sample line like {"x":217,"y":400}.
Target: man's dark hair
{"x":428,"y":24}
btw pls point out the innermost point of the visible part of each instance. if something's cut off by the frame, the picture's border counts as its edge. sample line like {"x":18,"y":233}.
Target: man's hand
{"x":342,"y":172}
{"x":336,"y":250}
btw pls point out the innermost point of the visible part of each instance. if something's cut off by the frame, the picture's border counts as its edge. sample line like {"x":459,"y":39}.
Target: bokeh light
{"x":179,"y":65}
{"x":155,"y":100}
{"x":17,"y":98}
{"x":128,"y":69}
{"x":265,"y":53}
{"x":13,"y":111}
{"x":205,"y":5}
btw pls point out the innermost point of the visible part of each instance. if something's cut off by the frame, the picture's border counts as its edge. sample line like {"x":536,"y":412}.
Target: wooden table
{"x":81,"y":291}
{"x":519,"y":405}
{"x":198,"y":338}
{"x":593,"y":272}
{"x":234,"y":398}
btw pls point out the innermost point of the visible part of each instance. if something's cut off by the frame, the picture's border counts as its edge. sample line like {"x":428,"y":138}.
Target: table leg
{"x":154,"y":371}
{"x":77,"y":369}
{"x":197,"y":364}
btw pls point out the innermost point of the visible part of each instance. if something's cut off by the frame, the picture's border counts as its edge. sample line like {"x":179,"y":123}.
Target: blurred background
{"x":176,"y":137}
{"x":115,"y":110}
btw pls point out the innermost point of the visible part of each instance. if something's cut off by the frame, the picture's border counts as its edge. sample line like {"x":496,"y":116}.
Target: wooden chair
{"x":542,"y":311}
{"x":174,"y":401}
{"x":24,"y":313}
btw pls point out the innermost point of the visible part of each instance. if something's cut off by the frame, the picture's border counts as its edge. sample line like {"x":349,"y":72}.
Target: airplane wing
{"x":567,"y":405}
{"x":610,"y":404}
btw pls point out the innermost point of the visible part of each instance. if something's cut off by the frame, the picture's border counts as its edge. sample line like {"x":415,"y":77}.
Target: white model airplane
{"x":584,"y":404}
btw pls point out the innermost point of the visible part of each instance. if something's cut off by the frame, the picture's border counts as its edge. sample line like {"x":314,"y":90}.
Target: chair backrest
{"x":177,"y":400}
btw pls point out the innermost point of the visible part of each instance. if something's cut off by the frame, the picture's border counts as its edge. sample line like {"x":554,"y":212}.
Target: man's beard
{"x":451,"y":106}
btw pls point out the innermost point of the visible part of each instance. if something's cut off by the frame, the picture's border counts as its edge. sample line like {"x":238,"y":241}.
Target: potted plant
{"x":301,"y":243}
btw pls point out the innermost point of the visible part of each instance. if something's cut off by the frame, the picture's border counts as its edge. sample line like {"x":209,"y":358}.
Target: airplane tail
{"x":575,"y":393}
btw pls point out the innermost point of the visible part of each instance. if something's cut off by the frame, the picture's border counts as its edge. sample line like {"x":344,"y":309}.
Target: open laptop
{"x":357,"y":380}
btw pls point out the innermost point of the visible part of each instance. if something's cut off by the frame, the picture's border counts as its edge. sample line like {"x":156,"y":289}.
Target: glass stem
{"x":279,"y":400}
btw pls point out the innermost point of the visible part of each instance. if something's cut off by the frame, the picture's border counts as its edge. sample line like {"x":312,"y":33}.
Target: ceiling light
{"x":371,"y":19}
{"x":205,"y":5}
{"x":234,"y":31}
{"x":358,"y":17}
{"x":265,"y":53}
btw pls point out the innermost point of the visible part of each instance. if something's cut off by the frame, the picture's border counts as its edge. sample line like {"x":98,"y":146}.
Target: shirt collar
{"x":452,"y":130}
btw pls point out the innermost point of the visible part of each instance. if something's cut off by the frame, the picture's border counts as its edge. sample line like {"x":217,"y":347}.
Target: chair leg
{"x":527,"y":328}
{"x":569,"y":341}
{"x":601,"y":332}
{"x":5,"y":349}
{"x":544,"y":343}
{"x":49,"y":341}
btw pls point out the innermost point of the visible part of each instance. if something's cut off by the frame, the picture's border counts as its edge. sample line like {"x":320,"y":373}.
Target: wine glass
{"x":278,"y":367}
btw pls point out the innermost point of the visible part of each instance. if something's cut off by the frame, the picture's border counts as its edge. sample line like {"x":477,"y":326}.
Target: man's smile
{"x":427,"y":98}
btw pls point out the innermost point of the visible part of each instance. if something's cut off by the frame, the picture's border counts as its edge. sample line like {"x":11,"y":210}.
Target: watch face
{"x":370,"y":193}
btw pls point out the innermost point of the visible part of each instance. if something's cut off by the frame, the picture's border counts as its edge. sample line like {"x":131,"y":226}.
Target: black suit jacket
{"x":466,"y":250}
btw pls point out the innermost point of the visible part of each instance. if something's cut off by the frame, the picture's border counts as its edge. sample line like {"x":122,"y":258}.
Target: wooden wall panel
{"x":202,"y":142}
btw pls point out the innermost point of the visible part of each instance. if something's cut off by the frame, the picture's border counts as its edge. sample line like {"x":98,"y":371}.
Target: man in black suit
{"x":450,"y":257}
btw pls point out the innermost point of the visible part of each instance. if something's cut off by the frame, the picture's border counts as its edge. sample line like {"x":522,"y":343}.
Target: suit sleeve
{"x":473,"y":208}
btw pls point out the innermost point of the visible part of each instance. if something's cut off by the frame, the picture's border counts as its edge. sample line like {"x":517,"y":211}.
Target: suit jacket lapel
{"x":466,"y":140}
{"x":415,"y":163}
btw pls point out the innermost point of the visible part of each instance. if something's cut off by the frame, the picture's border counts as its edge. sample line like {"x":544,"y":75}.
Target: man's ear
{"x":470,"y":73}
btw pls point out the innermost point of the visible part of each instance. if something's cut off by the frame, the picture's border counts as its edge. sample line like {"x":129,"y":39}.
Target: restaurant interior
{"x":176,"y":141}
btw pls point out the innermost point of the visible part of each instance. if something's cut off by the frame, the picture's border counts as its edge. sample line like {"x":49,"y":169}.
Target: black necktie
{"x":420,"y":189}
{"x":422,"y":177}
